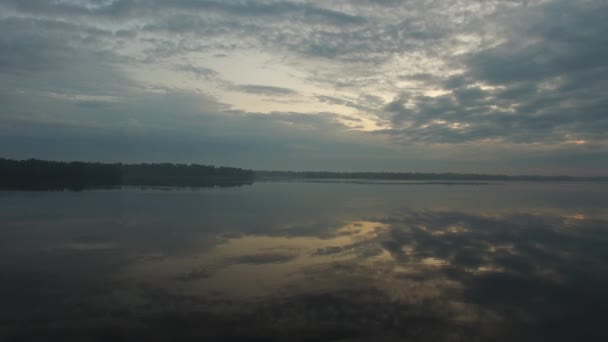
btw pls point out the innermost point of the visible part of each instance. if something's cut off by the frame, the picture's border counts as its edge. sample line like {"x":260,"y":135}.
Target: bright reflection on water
{"x":307,"y":261}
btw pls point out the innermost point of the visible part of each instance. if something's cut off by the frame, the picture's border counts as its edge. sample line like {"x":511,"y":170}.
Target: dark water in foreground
{"x":307,"y":262}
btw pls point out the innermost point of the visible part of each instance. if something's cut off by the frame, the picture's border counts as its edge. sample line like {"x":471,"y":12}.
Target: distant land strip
{"x":415,"y":176}
{"x":34,"y":174}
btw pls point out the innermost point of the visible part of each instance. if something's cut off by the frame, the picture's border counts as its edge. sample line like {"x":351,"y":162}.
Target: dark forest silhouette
{"x":33,"y":174}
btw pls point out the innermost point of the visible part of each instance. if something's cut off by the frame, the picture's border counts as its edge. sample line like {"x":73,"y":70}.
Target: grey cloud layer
{"x":547,"y":86}
{"x":508,"y":72}
{"x":184,"y":127}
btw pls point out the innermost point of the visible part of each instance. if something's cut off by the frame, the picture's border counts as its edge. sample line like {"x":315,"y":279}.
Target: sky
{"x":508,"y":87}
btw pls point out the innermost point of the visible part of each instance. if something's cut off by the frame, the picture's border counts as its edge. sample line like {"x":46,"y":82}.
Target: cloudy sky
{"x":503,"y":86}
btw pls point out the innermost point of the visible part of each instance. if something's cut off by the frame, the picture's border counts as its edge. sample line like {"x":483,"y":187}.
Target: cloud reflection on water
{"x":393,"y":273}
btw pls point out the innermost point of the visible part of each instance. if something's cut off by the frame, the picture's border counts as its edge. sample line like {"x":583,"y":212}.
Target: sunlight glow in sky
{"x":349,"y":85}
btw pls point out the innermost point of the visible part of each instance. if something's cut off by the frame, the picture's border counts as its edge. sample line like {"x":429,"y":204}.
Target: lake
{"x":307,"y":261}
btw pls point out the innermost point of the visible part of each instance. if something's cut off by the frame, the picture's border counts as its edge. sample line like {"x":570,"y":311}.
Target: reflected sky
{"x":307,"y":261}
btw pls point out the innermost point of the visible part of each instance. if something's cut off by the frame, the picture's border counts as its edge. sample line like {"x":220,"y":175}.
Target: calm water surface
{"x":307,"y":261}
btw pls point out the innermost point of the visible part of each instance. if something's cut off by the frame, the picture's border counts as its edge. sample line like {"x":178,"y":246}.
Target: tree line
{"x":34,"y":174}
